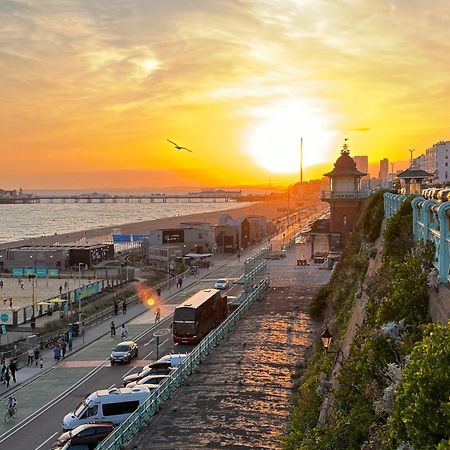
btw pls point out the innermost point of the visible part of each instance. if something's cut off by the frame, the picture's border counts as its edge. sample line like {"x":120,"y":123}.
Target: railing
{"x":345,"y":194}
{"x":431,"y":222}
{"x":136,"y":421}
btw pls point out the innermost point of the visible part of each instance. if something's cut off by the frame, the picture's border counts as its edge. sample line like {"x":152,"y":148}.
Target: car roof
{"x":92,"y":425}
{"x":154,"y":376}
{"x":126,"y":343}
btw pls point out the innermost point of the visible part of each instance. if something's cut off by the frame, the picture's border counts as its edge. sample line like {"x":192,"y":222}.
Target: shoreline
{"x":269,"y":209}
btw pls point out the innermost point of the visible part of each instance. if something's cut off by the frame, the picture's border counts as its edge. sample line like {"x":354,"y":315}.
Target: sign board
{"x":27,"y":272}
{"x":118,"y":238}
{"x":41,"y":273}
{"x":87,"y":291}
{"x":53,"y":273}
{"x":173,"y":236}
{"x":16,"y":272}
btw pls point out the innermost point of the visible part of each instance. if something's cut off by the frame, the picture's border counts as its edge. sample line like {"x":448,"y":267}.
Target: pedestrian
{"x":13,"y":369}
{"x":30,"y":356}
{"x":60,"y":290}
{"x":1,"y":284}
{"x":239,"y":257}
{"x":181,"y":282}
{"x":123,"y":331}
{"x":66,"y":285}
{"x":36,"y":355}
{"x":41,"y":362}
{"x":57,"y":353}
{"x":7,"y":376}
{"x":63,"y":346}
{"x":2,"y":374}
{"x":19,"y":280}
{"x":21,"y":286}
{"x":124,"y":307}
{"x":113,"y":328}
{"x":116,"y":307}
{"x":10,"y":302}
{"x":4,"y":300}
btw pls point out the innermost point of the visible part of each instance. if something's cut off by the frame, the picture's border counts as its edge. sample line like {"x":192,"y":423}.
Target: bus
{"x":198,"y":315}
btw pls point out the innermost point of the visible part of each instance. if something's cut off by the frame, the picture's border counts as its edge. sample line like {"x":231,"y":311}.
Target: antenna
{"x":411,"y":150}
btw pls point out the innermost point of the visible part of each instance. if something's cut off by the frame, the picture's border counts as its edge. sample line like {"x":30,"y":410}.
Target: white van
{"x":113,"y":405}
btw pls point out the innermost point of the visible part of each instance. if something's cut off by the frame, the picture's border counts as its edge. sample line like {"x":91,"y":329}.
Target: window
{"x":92,"y":411}
{"x":115,"y":409}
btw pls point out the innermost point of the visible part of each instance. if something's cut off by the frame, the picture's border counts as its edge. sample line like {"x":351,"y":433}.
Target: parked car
{"x":124,"y":352}
{"x":148,"y":380}
{"x":155,"y":368}
{"x":222,"y":284}
{"x":91,"y":433}
{"x":175,"y":359}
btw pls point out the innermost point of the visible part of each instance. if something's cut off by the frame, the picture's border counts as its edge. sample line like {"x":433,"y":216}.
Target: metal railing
{"x":346,"y":194}
{"x":136,"y":421}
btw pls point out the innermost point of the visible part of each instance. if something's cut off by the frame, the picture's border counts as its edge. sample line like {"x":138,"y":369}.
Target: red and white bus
{"x":198,"y":315}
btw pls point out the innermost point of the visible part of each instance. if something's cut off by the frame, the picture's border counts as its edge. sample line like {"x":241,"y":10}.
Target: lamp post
{"x":80,"y":315}
{"x":326,"y":338}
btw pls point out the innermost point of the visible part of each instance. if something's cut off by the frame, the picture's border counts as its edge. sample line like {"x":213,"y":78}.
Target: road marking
{"x":51,"y":437}
{"x":149,"y":342}
{"x":128,"y":373}
{"x":146,"y":356}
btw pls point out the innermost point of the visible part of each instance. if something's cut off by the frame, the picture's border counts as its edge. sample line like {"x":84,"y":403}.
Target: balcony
{"x":330,"y":195}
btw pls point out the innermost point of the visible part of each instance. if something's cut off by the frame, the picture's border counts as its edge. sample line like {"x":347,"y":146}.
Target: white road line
{"x":51,"y":437}
{"x":162,"y":343}
{"x":146,"y":356}
{"x":128,"y":373}
{"x":149,"y":342}
{"x":111,"y":386}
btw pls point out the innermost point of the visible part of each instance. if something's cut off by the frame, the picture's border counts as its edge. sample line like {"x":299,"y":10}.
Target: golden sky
{"x":91,"y":89}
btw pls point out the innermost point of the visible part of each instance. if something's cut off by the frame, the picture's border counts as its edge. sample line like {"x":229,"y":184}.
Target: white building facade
{"x":436,"y":161}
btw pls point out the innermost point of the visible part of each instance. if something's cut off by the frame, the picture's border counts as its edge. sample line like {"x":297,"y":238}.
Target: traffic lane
{"x":38,"y":431}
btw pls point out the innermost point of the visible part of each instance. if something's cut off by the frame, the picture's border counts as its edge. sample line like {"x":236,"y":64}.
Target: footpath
{"x":94,"y":332}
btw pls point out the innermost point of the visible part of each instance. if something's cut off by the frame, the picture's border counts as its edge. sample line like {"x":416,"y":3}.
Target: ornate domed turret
{"x":345,"y":165}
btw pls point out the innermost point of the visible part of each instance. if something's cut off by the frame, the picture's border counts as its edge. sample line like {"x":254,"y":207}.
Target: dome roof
{"x":345,"y":165}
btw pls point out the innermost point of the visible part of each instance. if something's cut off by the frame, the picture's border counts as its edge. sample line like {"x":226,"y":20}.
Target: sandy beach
{"x":269,"y":209}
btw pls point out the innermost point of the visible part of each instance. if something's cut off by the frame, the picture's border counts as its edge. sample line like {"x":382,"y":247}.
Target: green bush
{"x":372,"y":216}
{"x":421,"y":413}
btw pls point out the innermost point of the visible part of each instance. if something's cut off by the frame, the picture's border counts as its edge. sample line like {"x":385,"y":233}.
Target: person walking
{"x":60,"y":290}
{"x":30,"y":356}
{"x":10,"y":302}
{"x":1,"y":284}
{"x":123,"y":331}
{"x":13,"y":369}
{"x":63,"y":345}
{"x":116,"y":307}
{"x":36,"y":355}
{"x":158,"y":292}
{"x":7,"y":376}
{"x":113,"y":328}
{"x":4,"y":300}
{"x":57,"y":353}
{"x":2,"y":373}
{"x":124,"y":307}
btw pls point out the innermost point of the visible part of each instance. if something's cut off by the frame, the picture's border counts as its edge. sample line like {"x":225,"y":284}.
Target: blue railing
{"x":431,"y":222}
{"x":136,"y":421}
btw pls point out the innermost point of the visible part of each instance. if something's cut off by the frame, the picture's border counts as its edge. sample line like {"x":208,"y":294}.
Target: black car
{"x":124,"y":352}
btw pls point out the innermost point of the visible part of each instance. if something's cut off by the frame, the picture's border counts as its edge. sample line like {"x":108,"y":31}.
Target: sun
{"x":274,"y":140}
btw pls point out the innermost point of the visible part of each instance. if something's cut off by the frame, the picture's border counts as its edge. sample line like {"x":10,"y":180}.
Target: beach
{"x":270,"y":209}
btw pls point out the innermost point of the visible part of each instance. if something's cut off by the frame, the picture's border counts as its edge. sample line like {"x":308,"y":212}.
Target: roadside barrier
{"x":136,"y":421}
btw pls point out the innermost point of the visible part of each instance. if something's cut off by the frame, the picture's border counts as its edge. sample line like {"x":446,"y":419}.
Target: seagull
{"x":179,"y":147}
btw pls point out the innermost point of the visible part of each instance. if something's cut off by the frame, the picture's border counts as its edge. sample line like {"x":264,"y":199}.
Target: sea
{"x":27,"y":221}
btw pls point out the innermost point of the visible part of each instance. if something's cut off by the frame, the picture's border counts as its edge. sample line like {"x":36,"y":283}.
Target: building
{"x":162,"y":257}
{"x":362,"y":164}
{"x":384,"y":172}
{"x":345,"y":196}
{"x":413,"y":180}
{"x":435,"y":160}
{"x":61,"y":257}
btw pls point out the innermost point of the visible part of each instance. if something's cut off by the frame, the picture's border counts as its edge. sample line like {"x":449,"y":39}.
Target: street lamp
{"x":80,"y":315}
{"x":326,"y":338}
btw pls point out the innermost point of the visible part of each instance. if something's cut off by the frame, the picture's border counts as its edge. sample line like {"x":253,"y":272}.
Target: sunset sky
{"x":92,"y":89}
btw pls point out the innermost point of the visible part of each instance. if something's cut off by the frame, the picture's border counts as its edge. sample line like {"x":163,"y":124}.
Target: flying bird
{"x":179,"y":147}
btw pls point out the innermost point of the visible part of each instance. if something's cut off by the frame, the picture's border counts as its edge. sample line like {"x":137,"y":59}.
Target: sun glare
{"x":274,"y":141}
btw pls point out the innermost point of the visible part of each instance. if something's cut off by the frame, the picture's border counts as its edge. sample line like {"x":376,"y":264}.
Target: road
{"x":43,"y":402}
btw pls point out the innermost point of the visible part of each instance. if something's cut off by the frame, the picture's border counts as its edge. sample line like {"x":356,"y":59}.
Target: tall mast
{"x":301,"y":160}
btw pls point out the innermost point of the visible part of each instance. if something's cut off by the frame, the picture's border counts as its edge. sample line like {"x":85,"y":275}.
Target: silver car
{"x":124,"y":352}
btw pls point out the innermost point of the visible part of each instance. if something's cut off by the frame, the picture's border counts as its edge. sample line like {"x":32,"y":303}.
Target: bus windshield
{"x":184,"y":314}
{"x":184,"y":328}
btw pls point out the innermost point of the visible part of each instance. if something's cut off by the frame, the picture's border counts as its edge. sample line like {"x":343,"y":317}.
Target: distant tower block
{"x":301,"y":160}
{"x":345,"y":196}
